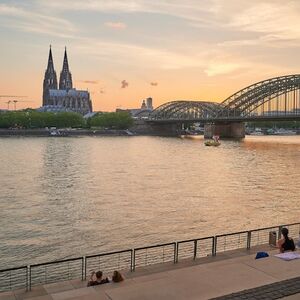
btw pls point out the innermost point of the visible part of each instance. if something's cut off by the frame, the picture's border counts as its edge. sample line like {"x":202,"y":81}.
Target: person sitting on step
{"x":117,"y":277}
{"x":286,"y":243}
{"x":96,"y":279}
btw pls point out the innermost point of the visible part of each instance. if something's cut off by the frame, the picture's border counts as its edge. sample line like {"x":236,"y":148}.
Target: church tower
{"x":65,"y":80}
{"x":50,"y":79}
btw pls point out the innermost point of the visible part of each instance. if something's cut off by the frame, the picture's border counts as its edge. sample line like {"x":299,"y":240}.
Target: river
{"x":68,"y":197}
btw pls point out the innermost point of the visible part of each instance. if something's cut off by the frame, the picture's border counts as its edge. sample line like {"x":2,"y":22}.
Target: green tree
{"x":34,"y":119}
{"x":113,"y":120}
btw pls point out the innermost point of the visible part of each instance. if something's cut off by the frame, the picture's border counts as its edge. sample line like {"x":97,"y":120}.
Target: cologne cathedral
{"x":64,"y":98}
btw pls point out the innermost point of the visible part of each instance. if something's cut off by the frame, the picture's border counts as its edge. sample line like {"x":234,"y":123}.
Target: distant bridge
{"x":268,"y":100}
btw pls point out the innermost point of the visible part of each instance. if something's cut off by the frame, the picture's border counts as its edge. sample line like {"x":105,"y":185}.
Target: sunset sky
{"x":166,"y":49}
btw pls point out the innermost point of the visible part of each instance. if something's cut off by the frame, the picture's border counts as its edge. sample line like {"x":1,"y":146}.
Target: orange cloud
{"x":89,"y":81}
{"x":124,"y":84}
{"x":115,"y":25}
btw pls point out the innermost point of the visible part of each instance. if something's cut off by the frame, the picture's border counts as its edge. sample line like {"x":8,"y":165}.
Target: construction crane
{"x":15,"y":101}
{"x":8,"y":102}
{"x":11,"y":96}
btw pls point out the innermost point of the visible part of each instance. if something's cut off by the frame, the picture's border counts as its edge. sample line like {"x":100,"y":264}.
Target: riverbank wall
{"x":62,"y":132}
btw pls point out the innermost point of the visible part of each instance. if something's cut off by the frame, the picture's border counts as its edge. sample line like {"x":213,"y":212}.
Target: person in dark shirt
{"x":96,"y":279}
{"x":286,"y":243}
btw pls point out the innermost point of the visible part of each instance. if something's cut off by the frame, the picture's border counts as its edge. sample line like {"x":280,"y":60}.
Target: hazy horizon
{"x":166,"y":50}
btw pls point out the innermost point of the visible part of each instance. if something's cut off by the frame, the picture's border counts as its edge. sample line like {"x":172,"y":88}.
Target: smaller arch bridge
{"x":184,"y":110}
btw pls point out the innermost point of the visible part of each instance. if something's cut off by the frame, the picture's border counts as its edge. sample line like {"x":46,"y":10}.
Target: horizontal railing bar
{"x":199,"y":239}
{"x":257,"y":229}
{"x":268,"y":228}
{"x":13,"y":269}
{"x":109,"y":253}
{"x":292,"y":224}
{"x":56,"y":262}
{"x":233,"y":233}
{"x":155,"y":246}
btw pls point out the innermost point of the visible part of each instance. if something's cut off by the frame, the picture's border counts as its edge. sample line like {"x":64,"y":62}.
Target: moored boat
{"x":212,"y":143}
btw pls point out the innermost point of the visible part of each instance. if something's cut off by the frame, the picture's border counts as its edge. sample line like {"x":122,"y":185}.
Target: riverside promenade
{"x":205,"y":278}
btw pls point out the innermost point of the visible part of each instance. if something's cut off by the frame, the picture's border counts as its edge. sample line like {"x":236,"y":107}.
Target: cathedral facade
{"x":63,"y":97}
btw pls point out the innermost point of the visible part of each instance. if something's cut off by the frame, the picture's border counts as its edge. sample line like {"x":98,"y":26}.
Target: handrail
{"x":13,"y":269}
{"x":234,"y":233}
{"x":130,"y":261}
{"x":154,"y":246}
{"x":56,"y":262}
{"x":108,"y":253}
{"x":198,"y":239}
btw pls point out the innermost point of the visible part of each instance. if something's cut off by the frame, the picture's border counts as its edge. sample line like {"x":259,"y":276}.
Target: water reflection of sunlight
{"x":78,"y":196}
{"x":267,"y":143}
{"x":192,"y":137}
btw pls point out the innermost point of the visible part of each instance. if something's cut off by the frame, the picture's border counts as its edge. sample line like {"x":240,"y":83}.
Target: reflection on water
{"x":64,"y":197}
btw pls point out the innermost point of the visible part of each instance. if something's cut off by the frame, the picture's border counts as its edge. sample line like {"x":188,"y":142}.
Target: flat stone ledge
{"x":277,"y":290}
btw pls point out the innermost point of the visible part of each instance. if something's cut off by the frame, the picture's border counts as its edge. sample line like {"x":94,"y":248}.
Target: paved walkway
{"x":206,"y":278}
{"x":277,"y":290}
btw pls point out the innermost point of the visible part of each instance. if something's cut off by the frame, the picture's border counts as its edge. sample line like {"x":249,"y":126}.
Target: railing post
{"x":85,"y":267}
{"x":82,"y":268}
{"x":28,"y":288}
{"x":214,"y":246}
{"x":175,"y":252}
{"x":279,"y":231}
{"x":133,"y":261}
{"x":248,"y":240}
{"x":195,"y":249}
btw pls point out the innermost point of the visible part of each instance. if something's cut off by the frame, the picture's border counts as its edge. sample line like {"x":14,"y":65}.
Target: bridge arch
{"x":275,"y":95}
{"x":184,"y":110}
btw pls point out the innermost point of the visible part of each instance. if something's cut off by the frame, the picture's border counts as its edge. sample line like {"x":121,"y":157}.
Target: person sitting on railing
{"x":117,"y":277}
{"x":286,"y":243}
{"x":96,"y":279}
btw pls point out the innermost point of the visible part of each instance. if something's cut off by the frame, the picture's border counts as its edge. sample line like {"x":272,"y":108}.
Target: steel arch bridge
{"x":272,"y":99}
{"x":184,"y":109}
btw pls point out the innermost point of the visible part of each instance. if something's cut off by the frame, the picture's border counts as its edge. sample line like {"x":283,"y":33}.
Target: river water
{"x":67,"y":197}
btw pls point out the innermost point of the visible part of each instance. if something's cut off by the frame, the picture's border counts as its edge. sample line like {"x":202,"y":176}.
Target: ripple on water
{"x":64,"y":197}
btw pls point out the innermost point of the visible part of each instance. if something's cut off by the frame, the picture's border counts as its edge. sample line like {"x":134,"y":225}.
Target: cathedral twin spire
{"x":50,"y":80}
{"x":65,"y":80}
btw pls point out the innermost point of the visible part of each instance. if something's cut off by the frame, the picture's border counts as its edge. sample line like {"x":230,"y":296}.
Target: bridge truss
{"x":184,"y":109}
{"x":275,"y":98}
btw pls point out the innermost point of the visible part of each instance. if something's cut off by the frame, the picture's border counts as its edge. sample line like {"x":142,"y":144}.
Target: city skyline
{"x":125,"y":51}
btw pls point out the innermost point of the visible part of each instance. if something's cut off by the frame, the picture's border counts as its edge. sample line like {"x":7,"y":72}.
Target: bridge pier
{"x":225,"y":130}
{"x":160,"y":129}
{"x":166,"y":129}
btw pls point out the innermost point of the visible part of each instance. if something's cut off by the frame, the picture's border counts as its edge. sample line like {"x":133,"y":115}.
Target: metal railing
{"x":108,"y":262}
{"x":231,"y":241}
{"x":128,"y":260}
{"x":162,"y":253}
{"x":14,"y":278}
{"x":195,"y":248}
{"x":56,"y":271}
